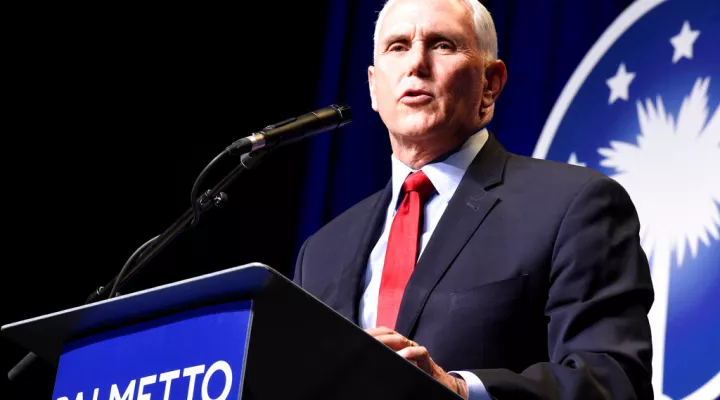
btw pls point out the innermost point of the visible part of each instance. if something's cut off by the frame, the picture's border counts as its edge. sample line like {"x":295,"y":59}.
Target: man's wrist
{"x":460,"y":386}
{"x":472,"y":386}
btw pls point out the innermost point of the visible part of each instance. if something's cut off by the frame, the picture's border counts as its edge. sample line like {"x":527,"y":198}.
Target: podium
{"x":242,"y":333}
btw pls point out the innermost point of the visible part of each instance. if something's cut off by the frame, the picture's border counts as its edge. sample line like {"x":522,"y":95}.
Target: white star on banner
{"x":683,"y":43}
{"x":573,"y":160}
{"x":619,"y":84}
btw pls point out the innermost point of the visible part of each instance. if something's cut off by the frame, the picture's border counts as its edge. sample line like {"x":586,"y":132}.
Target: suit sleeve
{"x":600,"y":293}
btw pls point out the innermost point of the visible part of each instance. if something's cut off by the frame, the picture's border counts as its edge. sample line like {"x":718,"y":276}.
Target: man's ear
{"x":371,"y":81}
{"x":495,"y":78}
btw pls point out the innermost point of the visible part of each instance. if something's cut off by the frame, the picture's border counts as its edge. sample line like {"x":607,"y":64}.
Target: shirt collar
{"x":446,"y":174}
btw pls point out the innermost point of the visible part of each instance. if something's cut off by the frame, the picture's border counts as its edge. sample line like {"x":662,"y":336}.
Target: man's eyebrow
{"x":394,"y":37}
{"x":451,"y":36}
{"x":456,"y":37}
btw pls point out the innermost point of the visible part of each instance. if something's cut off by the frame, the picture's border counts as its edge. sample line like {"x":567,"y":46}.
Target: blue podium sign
{"x":195,"y":354}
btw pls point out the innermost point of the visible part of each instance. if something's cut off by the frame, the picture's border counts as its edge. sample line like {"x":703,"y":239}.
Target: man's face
{"x":427,"y":80}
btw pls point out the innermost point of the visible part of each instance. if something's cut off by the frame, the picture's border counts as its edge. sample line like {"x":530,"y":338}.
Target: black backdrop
{"x":111,"y":112}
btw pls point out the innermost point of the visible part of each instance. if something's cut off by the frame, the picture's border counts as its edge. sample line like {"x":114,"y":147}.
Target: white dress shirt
{"x":445,"y":176}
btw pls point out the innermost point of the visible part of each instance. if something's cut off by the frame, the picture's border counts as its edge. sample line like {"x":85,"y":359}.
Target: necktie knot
{"x":420,"y":183}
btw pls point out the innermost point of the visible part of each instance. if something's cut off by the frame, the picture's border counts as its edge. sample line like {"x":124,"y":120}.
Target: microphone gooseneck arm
{"x":211,"y":198}
{"x":253,"y":149}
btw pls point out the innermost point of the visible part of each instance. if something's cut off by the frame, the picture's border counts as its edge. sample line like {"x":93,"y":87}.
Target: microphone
{"x":293,"y":129}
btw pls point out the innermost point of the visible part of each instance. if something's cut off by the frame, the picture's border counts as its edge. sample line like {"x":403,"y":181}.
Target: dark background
{"x":112,"y":111}
{"x":111,"y":115}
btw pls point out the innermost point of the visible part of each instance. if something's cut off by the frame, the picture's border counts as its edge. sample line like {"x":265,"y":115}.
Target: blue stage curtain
{"x":542,"y":42}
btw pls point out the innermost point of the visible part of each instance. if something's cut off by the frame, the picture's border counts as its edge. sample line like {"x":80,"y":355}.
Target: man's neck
{"x":417,"y":154}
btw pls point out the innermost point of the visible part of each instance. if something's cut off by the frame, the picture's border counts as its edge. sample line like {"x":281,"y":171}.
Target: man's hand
{"x":419,"y":356}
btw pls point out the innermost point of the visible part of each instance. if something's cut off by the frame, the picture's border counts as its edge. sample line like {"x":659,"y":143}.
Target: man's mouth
{"x":415,"y":97}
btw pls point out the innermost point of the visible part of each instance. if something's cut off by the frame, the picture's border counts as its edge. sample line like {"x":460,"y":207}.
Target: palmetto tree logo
{"x":671,"y":152}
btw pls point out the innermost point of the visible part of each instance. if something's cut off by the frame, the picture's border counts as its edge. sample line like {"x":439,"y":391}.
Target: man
{"x":501,"y":276}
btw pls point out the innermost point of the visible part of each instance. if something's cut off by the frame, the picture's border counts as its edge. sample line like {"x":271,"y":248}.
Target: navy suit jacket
{"x":534,"y":280}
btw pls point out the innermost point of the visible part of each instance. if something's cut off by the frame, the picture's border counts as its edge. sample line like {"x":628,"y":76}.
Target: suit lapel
{"x":465,"y":212}
{"x":350,"y":281}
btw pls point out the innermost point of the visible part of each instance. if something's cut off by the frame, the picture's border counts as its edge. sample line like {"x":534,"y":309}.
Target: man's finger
{"x":418,"y":355}
{"x":414,"y":353}
{"x":395,"y":341}
{"x":381,"y":330}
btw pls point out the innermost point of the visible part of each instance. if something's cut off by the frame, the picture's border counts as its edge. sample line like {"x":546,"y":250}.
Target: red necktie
{"x":402,"y":248}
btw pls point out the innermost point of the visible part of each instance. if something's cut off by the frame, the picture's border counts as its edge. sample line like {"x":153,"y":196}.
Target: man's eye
{"x":445,"y":46}
{"x":396,"y":47}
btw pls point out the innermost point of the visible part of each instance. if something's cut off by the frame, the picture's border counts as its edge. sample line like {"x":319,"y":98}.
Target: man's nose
{"x":418,"y":61}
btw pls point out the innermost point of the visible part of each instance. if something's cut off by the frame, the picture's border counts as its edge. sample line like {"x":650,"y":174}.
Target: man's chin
{"x":416,"y":133}
{"x":419,"y":124}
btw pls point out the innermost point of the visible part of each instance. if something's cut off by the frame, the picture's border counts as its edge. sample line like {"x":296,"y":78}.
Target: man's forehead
{"x":437,"y":15}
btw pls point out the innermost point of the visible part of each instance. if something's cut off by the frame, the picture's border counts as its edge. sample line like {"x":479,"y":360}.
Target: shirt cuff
{"x":476,"y":389}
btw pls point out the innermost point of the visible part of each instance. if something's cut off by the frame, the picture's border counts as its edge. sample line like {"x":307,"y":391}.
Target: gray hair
{"x":484,"y":28}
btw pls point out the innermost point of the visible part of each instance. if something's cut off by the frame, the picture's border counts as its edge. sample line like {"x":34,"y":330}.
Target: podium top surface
{"x":46,"y":334}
